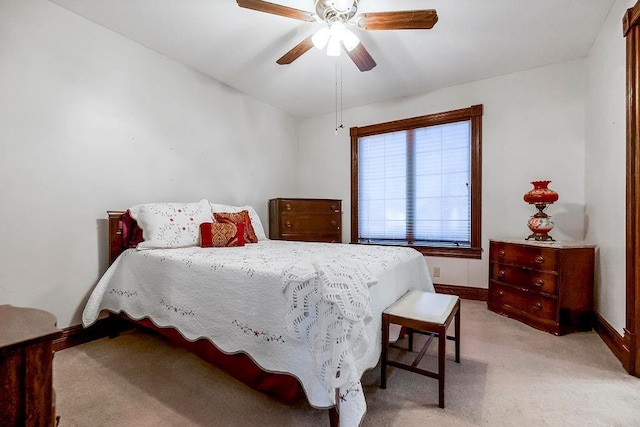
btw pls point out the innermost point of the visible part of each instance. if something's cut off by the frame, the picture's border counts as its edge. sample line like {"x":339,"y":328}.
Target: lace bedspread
{"x":312,"y":310}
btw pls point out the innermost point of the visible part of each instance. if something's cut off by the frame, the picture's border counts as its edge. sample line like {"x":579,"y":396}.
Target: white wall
{"x":605,"y":164}
{"x":533,"y":128}
{"x":90,"y":121}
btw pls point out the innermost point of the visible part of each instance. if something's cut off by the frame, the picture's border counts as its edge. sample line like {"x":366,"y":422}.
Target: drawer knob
{"x":334,"y":223}
{"x":539,"y":283}
{"x":537,"y":306}
{"x":334,"y":207}
{"x":287,"y":207}
{"x":288,"y":224}
{"x":539,"y":259}
{"x":500,"y":293}
{"x":501,"y":274}
{"x":501,"y":253}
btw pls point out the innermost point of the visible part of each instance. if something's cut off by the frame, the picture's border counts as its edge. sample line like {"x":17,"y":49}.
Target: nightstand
{"x":547,"y":285}
{"x":26,"y":362}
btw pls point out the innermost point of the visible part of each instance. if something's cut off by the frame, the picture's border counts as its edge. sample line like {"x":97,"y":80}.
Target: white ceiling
{"x":473,"y":40}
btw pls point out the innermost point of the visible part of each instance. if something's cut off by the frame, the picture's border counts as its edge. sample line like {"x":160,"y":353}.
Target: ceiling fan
{"x":335,"y":36}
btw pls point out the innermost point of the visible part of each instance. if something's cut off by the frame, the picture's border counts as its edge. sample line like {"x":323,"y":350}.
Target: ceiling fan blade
{"x":277,"y":9}
{"x":296,"y":52}
{"x":401,"y":20}
{"x":360,"y":56}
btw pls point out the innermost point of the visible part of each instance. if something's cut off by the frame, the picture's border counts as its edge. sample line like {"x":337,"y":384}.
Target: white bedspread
{"x":277,"y":301}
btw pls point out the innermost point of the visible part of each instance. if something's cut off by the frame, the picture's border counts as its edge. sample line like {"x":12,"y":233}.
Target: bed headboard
{"x":116,"y":242}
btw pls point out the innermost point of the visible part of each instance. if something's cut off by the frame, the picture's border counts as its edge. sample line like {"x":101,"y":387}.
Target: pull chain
{"x":341,"y":93}
{"x":338,"y":103}
{"x":336,"y":95}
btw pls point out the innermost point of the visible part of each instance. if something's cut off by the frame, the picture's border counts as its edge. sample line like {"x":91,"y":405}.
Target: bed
{"x":284,"y":317}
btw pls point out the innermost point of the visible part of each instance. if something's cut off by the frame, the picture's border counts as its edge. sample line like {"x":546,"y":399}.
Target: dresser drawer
{"x":291,"y":223}
{"x":523,"y":301}
{"x":305,"y":205}
{"x":533,"y":257}
{"x":531,"y":280}
{"x":314,"y":237}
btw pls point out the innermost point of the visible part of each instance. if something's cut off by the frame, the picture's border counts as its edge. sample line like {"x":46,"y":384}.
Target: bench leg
{"x":457,"y":330}
{"x":442,"y":343}
{"x":385,"y":346}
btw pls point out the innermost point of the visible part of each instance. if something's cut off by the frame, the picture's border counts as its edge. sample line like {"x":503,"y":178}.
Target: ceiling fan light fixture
{"x":333,"y":48}
{"x":320,"y":38}
{"x":342,"y":6}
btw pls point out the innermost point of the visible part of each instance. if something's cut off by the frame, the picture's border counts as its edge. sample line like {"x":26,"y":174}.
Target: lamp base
{"x":540,"y":237}
{"x":540,"y":225}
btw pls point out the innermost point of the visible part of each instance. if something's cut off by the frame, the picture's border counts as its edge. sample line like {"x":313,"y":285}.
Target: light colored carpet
{"x":510,"y":375}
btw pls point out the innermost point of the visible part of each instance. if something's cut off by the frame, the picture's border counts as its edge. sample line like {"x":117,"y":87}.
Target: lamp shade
{"x":321,"y":38}
{"x":333,"y":48}
{"x":540,"y":193}
{"x":350,"y":40}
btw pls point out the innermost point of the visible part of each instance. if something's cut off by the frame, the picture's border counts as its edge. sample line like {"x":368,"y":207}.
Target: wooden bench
{"x":429,"y":314}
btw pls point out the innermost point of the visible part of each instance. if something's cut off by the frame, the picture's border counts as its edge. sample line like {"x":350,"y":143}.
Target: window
{"x":417,"y":182}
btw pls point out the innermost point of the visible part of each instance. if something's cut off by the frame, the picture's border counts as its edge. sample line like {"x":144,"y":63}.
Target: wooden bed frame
{"x":283,"y":387}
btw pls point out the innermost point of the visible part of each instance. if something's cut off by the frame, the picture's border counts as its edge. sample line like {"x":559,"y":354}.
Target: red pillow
{"x":131,"y":233}
{"x":217,"y":235}
{"x":241,"y":217}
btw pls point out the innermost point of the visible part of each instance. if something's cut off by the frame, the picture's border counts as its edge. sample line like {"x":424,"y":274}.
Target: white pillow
{"x":253,"y":215}
{"x":170,"y":225}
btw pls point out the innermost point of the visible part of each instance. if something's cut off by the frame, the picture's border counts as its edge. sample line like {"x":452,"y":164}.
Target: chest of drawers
{"x":546,"y":285}
{"x":309,"y":220}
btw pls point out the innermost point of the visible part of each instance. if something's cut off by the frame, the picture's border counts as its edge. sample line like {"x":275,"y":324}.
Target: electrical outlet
{"x":436,"y":271}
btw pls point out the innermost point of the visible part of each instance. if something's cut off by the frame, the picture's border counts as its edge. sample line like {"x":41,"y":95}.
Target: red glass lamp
{"x":540,"y":223}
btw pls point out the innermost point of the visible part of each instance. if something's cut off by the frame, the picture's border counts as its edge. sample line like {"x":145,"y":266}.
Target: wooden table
{"x":26,"y":360}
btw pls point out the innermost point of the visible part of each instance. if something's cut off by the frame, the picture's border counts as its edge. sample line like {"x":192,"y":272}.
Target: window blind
{"x":414,"y":185}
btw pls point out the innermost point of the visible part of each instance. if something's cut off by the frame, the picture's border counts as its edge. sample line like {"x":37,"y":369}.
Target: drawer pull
{"x":288,"y":224}
{"x":500,"y":293}
{"x":539,"y":259}
{"x":334,"y":223}
{"x":539,"y":283}
{"x":334,"y":208}
{"x":501,"y":274}
{"x":501,"y":253}
{"x":537,"y":306}
{"x":287,"y":207}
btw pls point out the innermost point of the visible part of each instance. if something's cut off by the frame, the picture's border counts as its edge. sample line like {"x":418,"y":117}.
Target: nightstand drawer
{"x":533,"y":257}
{"x":531,"y":280}
{"x":522,"y":301}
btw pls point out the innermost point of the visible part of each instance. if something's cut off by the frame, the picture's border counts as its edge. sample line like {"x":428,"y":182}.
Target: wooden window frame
{"x":472,"y":114}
